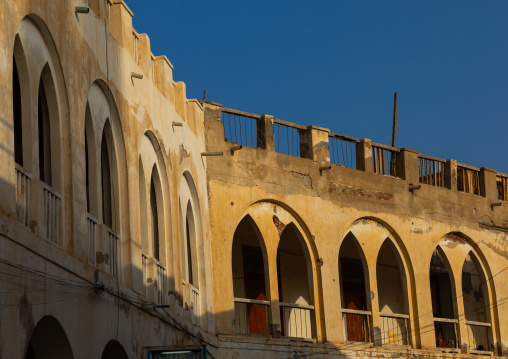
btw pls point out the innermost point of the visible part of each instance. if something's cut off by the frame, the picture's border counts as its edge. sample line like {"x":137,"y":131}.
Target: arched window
{"x":155,"y":220}
{"x":143,"y":209}
{"x":249,"y":280}
{"x":44,"y":128}
{"x":354,"y":288}
{"x":17,"y":110}
{"x":392,"y":292}
{"x":295,"y":282}
{"x":191,"y":240}
{"x":476,"y":306}
{"x":443,"y":308}
{"x":107,"y":208}
{"x":49,"y":340}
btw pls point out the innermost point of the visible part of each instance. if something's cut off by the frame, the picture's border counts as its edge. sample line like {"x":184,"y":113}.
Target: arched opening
{"x":17,"y":111}
{"x":476,"y":305}
{"x":48,"y":341}
{"x":90,"y":164}
{"x":443,"y":310}
{"x":354,"y":286}
{"x":294,"y":275}
{"x":114,"y":350}
{"x":44,"y":128}
{"x":190,"y":235}
{"x":107,"y":208}
{"x":392,"y":295}
{"x":143,"y":211}
{"x":249,"y":279}
{"x":156,"y":210}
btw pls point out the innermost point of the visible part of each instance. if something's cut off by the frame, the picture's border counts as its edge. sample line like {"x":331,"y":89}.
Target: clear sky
{"x":336,"y":64}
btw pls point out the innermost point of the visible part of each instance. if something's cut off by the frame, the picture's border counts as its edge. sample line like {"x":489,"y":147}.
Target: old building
{"x":133,"y":219}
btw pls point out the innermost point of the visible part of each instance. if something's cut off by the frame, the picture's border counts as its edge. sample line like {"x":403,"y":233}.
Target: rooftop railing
{"x":328,"y":149}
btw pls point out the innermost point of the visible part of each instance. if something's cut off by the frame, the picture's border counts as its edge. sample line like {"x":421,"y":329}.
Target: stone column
{"x":314,"y":144}
{"x":450,"y":175}
{"x":364,"y":155}
{"x":264,"y":133}
{"x":488,"y":183}
{"x":407,"y":165}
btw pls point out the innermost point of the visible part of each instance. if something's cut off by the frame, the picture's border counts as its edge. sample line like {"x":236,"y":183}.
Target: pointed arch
{"x":48,"y":340}
{"x":442,"y":290}
{"x":354,"y":285}
{"x":114,"y":350}
{"x":295,"y":279}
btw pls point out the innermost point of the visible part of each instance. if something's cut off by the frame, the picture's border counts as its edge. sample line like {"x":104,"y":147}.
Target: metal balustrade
{"x":446,"y":333}
{"x":194,"y":307}
{"x":478,"y":337}
{"x":287,"y":137}
{"x":394,"y":328}
{"x":297,"y":320}
{"x":251,"y":316}
{"x":342,"y":150}
{"x":502,"y":186}
{"x":356,"y":325}
{"x":113,"y":239}
{"x":144,"y":268}
{"x":51,"y":213}
{"x":431,"y":170}
{"x":161,"y":282}
{"x":91,"y":222}
{"x":240,"y":127}
{"x":468,"y":179}
{"x":23,"y":181}
{"x":384,"y":160}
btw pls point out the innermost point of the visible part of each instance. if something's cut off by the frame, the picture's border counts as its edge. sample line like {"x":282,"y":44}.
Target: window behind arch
{"x":44,"y":128}
{"x":155,"y":219}
{"x":189,"y":252}
{"x":16,"y":105}
{"x":107,"y":211}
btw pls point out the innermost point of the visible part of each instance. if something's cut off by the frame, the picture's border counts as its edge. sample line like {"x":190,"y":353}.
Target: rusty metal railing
{"x":287,"y":137}
{"x":342,"y":150}
{"x":468,"y":179}
{"x":502,"y":187}
{"x":431,"y":170}
{"x":240,"y":127}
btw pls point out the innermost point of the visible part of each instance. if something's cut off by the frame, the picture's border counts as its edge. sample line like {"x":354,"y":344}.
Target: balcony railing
{"x":91,"y":222}
{"x":468,"y":179}
{"x":287,"y":137}
{"x":251,"y":316}
{"x":342,"y":150}
{"x":297,"y":320}
{"x":113,"y":239}
{"x":384,"y":160}
{"x":446,"y":333}
{"x":431,"y":170}
{"x":144,"y":269}
{"x":394,"y":328}
{"x":356,"y":325}
{"x":161,"y":282}
{"x":23,"y":179}
{"x":240,"y":127}
{"x":502,"y":187}
{"x":51,"y":213}
{"x":194,"y":304}
{"x":478,"y":337}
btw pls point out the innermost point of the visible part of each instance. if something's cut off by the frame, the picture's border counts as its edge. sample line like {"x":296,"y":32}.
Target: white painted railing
{"x":91,"y":222}
{"x":478,"y":337}
{"x":194,"y":304}
{"x":356,"y":325}
{"x":23,"y":180}
{"x":161,"y":283}
{"x":113,"y":239}
{"x":251,"y":316}
{"x":51,"y":213}
{"x":394,"y":328}
{"x":296,"y":320}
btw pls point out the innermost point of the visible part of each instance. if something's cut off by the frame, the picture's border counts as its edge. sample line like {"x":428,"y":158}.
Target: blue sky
{"x":336,"y":64}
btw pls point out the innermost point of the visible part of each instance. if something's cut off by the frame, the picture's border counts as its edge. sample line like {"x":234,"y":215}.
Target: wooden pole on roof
{"x":394,"y":136}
